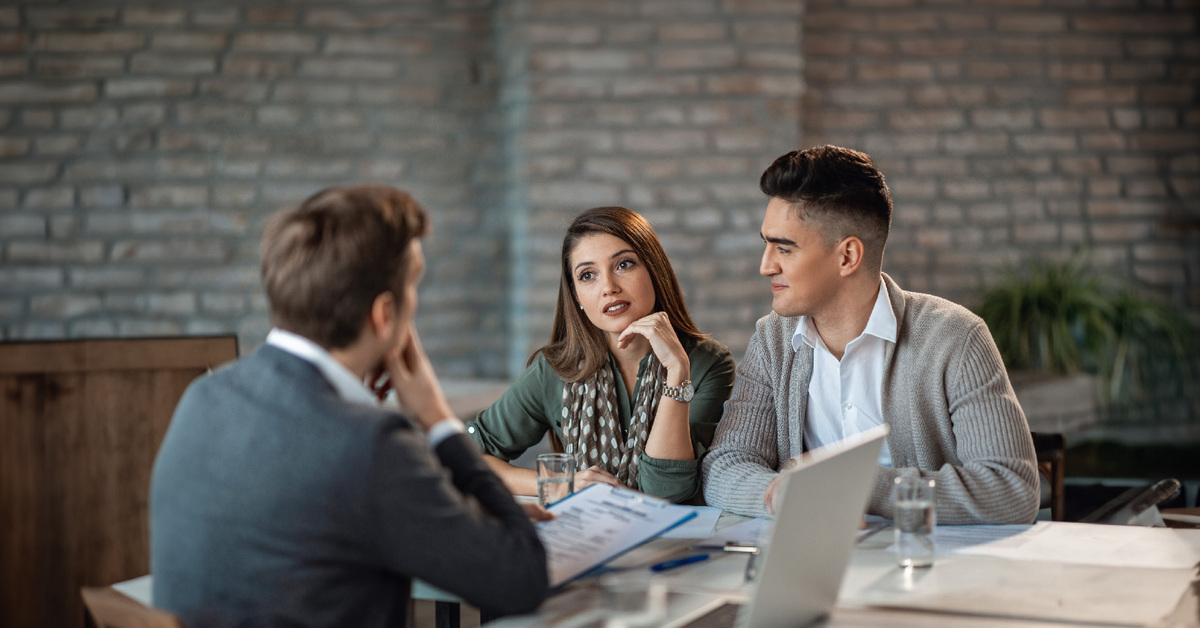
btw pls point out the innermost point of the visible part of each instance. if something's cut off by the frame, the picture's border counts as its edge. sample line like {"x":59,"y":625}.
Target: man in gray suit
{"x":284,"y":494}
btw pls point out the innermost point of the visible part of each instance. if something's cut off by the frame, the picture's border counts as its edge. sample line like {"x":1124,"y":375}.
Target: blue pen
{"x":678,"y":562}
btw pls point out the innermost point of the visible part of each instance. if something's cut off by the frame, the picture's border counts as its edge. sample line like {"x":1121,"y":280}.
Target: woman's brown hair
{"x":577,"y":349}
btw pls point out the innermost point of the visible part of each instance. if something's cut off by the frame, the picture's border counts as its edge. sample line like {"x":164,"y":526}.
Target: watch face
{"x":682,"y":392}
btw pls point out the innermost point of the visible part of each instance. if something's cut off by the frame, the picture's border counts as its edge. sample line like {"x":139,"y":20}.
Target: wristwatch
{"x":682,"y":393}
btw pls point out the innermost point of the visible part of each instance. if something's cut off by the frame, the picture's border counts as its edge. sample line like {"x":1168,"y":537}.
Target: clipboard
{"x":599,"y":523}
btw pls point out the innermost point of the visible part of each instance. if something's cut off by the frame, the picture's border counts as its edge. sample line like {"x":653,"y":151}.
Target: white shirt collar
{"x":882,"y":323}
{"x":348,"y":386}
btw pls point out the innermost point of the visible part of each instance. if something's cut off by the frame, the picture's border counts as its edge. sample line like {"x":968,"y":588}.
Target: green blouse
{"x":533,"y":404}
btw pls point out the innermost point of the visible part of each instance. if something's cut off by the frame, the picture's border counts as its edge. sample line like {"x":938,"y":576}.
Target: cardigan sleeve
{"x":973,"y":438}
{"x":744,"y":454}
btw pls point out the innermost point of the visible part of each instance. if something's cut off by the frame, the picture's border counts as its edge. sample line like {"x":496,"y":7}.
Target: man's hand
{"x":769,"y":498}
{"x":417,"y":388}
{"x":536,"y":512}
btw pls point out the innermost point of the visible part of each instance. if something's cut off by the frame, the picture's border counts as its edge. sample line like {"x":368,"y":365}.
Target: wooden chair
{"x":109,"y":608}
{"x":1125,"y":508}
{"x":1051,"y":454}
{"x":80,"y":425}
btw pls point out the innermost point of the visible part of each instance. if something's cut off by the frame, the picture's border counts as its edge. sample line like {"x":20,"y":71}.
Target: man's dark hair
{"x":839,"y":190}
{"x":325,"y":262}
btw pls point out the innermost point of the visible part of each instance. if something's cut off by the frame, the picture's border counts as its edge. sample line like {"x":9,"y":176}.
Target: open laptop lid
{"x":816,"y":522}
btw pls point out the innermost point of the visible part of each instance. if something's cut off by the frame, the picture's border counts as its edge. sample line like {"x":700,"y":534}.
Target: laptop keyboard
{"x":722,"y":616}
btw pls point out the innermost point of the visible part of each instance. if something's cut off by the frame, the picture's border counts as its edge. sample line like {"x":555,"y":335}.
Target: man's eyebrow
{"x":775,"y":240}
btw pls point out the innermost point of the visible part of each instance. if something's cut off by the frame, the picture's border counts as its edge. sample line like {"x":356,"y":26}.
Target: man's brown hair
{"x":325,"y":261}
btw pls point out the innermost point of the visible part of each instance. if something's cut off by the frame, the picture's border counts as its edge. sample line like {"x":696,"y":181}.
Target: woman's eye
{"x":625,"y":264}
{"x":586,"y":276}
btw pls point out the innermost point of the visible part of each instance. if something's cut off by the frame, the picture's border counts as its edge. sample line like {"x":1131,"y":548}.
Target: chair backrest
{"x":1051,"y":460}
{"x":1125,"y":508}
{"x":80,"y":424}
{"x":109,"y":608}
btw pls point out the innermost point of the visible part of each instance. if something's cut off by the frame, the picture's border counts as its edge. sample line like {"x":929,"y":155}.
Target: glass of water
{"x":633,"y":599}
{"x":555,"y":477}
{"x":913,"y":503}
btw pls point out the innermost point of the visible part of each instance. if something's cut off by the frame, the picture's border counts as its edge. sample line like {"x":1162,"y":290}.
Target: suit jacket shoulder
{"x":274,"y":498}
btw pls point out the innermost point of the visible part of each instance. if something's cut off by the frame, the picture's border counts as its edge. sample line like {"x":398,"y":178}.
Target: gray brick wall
{"x":671,"y":108}
{"x":144,"y":143}
{"x":1011,"y":130}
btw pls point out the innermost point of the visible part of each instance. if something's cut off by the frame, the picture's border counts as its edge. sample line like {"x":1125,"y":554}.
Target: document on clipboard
{"x":599,"y":523}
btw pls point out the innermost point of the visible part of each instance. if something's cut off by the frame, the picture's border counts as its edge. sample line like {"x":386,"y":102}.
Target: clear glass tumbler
{"x":633,"y":599}
{"x":913,"y":507}
{"x":555,"y":477}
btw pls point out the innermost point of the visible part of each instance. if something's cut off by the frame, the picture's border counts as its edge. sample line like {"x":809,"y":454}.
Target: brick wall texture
{"x":142,"y":145}
{"x":1013,"y":129}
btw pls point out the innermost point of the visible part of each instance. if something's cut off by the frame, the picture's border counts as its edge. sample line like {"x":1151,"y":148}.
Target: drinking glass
{"x":555,"y":477}
{"x":633,"y":599}
{"x":913,"y":502}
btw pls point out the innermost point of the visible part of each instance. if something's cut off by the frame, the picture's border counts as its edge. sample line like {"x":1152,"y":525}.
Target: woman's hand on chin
{"x":664,"y":342}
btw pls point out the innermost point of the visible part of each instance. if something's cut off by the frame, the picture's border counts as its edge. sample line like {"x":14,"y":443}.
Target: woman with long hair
{"x":628,"y":385}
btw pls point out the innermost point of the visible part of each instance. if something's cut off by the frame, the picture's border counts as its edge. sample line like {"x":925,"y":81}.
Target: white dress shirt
{"x":845,"y":397}
{"x":348,"y":386}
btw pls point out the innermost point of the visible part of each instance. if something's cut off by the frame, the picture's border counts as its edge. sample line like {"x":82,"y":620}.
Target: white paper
{"x":747,"y":532}
{"x":962,"y":539}
{"x":1095,"y":544}
{"x":599,"y":523}
{"x":982,"y":586}
{"x":1051,"y":570}
{"x":137,"y":588}
{"x":699,"y":527}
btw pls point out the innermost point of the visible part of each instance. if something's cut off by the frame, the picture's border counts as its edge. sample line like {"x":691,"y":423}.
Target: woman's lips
{"x":616,"y":308}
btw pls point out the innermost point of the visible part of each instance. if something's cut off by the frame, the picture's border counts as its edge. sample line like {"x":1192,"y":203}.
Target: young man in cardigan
{"x":846,"y":349}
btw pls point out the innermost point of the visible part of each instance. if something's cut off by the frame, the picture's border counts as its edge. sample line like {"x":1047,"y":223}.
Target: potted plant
{"x":1144,"y":332}
{"x":1075,"y":346}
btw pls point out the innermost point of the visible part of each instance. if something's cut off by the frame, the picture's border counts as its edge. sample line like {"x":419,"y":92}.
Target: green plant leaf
{"x":1058,"y":318}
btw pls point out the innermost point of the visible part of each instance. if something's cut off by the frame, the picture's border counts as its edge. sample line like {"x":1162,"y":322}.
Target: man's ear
{"x":850,"y":255}
{"x":382,"y":317}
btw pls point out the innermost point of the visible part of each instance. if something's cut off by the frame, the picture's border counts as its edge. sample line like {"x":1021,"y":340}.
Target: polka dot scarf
{"x":591,"y":429}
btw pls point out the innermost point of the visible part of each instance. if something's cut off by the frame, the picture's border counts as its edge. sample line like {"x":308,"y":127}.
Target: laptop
{"x":802,"y":563}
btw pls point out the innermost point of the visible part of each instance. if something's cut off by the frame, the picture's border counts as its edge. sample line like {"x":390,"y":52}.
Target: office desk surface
{"x":958,"y":591}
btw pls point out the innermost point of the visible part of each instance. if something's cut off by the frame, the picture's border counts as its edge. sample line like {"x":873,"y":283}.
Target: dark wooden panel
{"x":21,"y":502}
{"x":72,"y":356}
{"x":76,"y":452}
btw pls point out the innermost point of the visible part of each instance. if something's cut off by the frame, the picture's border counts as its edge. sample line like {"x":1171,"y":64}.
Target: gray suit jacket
{"x":274,"y":502}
